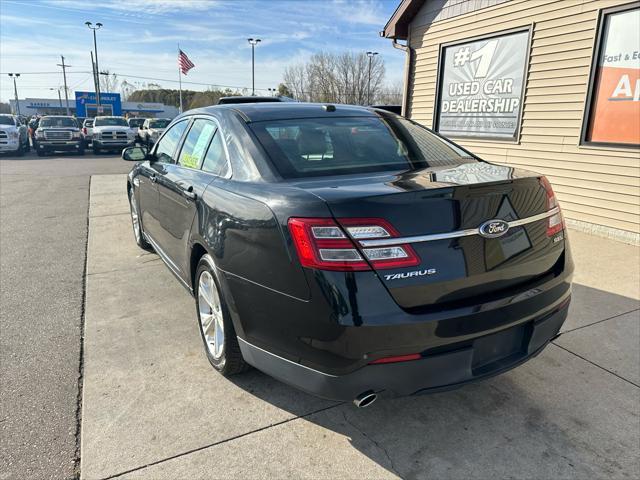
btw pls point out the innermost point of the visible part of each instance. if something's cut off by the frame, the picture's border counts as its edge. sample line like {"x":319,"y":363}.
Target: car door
{"x":164,"y":154}
{"x":179,"y":190}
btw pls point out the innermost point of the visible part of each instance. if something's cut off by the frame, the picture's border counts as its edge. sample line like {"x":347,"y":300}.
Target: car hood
{"x":111,"y":128}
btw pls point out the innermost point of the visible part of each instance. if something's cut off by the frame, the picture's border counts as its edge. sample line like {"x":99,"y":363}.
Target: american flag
{"x":184,"y":63}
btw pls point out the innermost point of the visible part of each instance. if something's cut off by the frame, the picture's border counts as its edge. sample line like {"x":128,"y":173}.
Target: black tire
{"x":20,"y":151}
{"x":27,"y":146}
{"x":231,"y":361}
{"x":139,"y":235}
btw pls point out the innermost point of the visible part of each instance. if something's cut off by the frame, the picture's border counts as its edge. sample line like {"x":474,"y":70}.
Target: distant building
{"x":85,"y":105}
{"x":550,"y":86}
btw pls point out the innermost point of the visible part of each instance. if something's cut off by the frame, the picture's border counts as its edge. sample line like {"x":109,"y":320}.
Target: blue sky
{"x":140,"y":37}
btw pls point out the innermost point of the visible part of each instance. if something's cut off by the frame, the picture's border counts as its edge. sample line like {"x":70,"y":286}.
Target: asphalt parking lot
{"x":152,"y":407}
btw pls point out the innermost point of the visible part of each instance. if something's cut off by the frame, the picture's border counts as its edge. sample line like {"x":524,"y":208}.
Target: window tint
{"x":195,"y":145}
{"x":216,"y":159}
{"x":343,"y":145}
{"x":167,"y":145}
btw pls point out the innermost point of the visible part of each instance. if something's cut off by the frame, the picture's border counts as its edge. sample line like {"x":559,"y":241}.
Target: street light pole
{"x":64,"y":75}
{"x":15,"y":90}
{"x":95,"y":49}
{"x":60,"y":98}
{"x":370,"y":55}
{"x":253,"y":42}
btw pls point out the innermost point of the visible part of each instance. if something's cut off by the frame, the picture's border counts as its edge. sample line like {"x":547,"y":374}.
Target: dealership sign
{"x":481,"y":86}
{"x":615,"y":111}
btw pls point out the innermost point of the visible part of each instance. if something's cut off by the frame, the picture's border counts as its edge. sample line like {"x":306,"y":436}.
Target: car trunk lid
{"x":438,"y":212}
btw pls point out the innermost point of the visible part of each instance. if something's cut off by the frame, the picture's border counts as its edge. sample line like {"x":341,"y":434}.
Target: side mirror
{"x":134,"y":154}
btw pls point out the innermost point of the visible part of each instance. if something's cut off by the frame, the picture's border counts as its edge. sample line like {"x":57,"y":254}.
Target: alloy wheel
{"x":135,"y":220}
{"x":211,"y":320}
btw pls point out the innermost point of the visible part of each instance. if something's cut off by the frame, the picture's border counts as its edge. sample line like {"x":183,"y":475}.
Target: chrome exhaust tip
{"x":365,"y":399}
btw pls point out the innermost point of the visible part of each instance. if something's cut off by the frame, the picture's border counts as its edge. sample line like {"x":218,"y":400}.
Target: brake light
{"x":555,"y":222}
{"x":84,"y":130}
{"x":321,"y":243}
{"x":396,"y":256}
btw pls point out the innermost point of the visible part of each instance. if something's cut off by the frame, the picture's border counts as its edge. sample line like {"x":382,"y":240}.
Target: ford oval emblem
{"x":494,"y":228}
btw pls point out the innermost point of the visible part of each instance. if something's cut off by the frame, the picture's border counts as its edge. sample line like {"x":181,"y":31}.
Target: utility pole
{"x":15,"y":90}
{"x":64,"y":74}
{"x":370,"y":55}
{"x":95,"y":48}
{"x":253,"y":42}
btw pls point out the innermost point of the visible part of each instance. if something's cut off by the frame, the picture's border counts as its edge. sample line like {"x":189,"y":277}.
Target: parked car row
{"x":64,"y":133}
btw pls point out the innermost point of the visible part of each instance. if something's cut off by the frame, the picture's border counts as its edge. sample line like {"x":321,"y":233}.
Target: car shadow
{"x":555,"y":416}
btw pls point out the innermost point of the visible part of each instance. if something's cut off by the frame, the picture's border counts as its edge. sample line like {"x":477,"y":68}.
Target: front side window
{"x":613,"y":115}
{"x":160,"y":123}
{"x":336,"y":146}
{"x":136,"y":122}
{"x":196,"y":143}
{"x":167,"y":145}
{"x":62,"y":122}
{"x":110,"y":122}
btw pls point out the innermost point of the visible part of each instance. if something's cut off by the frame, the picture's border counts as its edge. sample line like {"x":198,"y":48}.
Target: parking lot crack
{"x":596,"y":365}
{"x":221,"y":442}
{"x":377,"y":444}
{"x":80,"y":383}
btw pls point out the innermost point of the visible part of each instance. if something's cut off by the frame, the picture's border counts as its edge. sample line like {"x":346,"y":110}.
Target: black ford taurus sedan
{"x":348,"y":251}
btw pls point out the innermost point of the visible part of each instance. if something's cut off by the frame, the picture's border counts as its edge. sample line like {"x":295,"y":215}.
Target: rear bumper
{"x":484,"y":357}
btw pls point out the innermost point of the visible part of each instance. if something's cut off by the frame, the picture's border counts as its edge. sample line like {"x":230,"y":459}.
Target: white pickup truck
{"x":14,"y":137}
{"x":151,"y":130}
{"x":111,"y":133}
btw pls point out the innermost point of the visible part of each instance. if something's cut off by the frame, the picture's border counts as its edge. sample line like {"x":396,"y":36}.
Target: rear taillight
{"x":84,"y":130}
{"x":321,"y":243}
{"x":555,"y":222}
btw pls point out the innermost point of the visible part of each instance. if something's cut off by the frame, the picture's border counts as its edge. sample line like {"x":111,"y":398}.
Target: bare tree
{"x":335,"y":78}
{"x":108,"y":82}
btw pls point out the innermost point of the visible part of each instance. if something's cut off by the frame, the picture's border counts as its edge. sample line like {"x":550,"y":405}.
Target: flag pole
{"x":180,"y":78}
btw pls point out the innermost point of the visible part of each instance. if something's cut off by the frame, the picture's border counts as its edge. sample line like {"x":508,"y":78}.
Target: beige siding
{"x":594,"y":184}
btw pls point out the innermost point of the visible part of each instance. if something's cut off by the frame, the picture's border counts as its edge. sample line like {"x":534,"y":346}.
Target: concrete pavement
{"x":43,"y":234}
{"x":153,"y":407}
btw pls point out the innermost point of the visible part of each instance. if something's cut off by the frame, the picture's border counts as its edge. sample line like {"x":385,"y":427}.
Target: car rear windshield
{"x":110,"y":122}
{"x":136,"y":122}
{"x":159,"y":123}
{"x":65,"y":122}
{"x":306,"y":147}
{"x":6,"y":120}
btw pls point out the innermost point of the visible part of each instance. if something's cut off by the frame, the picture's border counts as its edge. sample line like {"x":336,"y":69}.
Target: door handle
{"x":153,"y":178}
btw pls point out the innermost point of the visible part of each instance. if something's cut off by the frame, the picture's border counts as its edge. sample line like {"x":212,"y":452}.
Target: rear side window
{"x":216,"y":159}
{"x":167,"y":145}
{"x":345,"y":145}
{"x":196,"y":143}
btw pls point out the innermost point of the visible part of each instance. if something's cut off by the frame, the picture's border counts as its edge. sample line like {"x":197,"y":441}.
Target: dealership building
{"x":84,"y":104}
{"x":547,"y":85}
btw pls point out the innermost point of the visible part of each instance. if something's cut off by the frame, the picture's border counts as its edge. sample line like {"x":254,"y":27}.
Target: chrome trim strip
{"x":385,"y":242}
